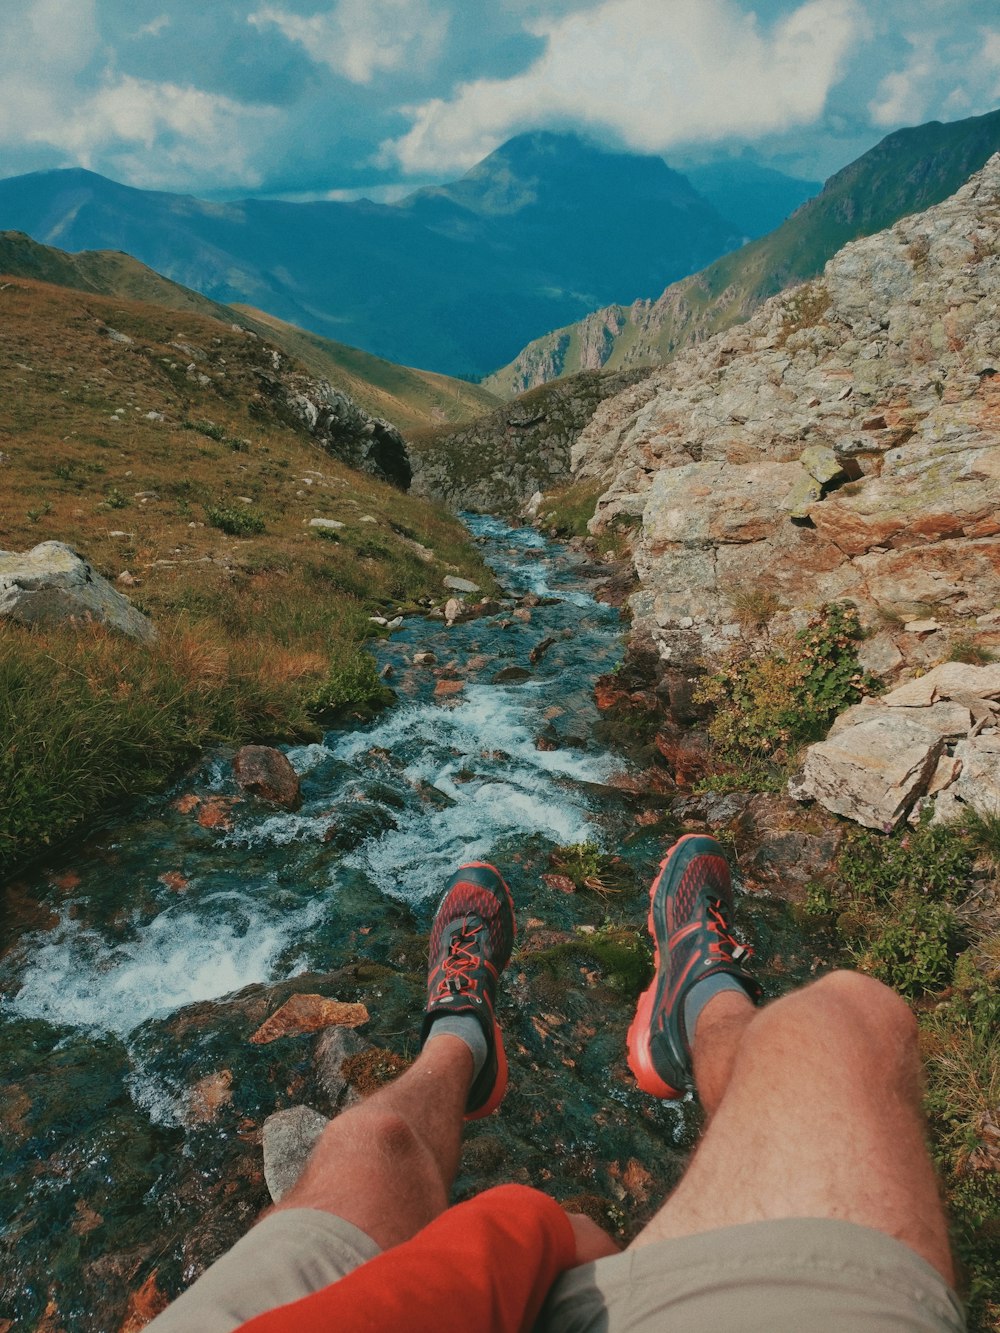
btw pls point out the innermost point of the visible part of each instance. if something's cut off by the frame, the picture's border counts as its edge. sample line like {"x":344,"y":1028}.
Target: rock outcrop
{"x":844,"y":443}
{"x":496,"y":464}
{"x":337,"y":423}
{"x":933,"y":738}
{"x":51,"y":585}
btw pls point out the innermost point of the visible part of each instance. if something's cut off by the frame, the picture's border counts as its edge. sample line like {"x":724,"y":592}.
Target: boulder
{"x":267,"y":773}
{"x":950,"y":680}
{"x":460,"y":585}
{"x":289,"y":1137}
{"x":944,"y":718}
{"x":871,"y":772}
{"x":51,"y":585}
{"x":977,"y":785}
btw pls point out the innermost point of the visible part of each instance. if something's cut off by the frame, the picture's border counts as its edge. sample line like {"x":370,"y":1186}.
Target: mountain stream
{"x":134,"y":968}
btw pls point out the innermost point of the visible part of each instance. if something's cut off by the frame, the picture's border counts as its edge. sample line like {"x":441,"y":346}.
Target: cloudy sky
{"x":309,"y":97}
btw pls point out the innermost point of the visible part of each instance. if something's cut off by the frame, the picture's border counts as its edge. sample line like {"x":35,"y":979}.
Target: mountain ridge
{"x":906,"y":172}
{"x":432,"y":282}
{"x":408,"y":399}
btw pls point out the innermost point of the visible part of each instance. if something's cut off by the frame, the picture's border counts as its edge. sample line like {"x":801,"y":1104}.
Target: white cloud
{"x":361,"y":38}
{"x":186,"y":127}
{"x":155,"y":27}
{"x":957,"y":71}
{"x":655,"y":72}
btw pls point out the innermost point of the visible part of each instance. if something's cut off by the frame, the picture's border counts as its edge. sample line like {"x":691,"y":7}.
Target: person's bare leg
{"x":387,"y":1165}
{"x":815,"y":1112}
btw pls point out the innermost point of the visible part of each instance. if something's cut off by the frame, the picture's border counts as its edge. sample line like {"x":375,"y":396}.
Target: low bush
{"x":236,"y":520}
{"x":767,"y":705}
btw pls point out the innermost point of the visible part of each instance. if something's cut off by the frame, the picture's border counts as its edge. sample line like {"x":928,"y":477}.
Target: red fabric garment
{"x":484,"y":1266}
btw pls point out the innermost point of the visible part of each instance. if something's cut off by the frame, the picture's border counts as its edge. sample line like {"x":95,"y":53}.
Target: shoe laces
{"x":461,"y":961}
{"x":725,"y":944}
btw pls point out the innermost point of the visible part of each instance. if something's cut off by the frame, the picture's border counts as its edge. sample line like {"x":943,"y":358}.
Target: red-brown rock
{"x":266,"y":773}
{"x":309,"y":1013}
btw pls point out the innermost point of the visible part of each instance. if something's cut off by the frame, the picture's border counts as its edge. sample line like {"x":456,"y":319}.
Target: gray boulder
{"x":51,"y":585}
{"x":289,"y":1138}
{"x":871,"y":772}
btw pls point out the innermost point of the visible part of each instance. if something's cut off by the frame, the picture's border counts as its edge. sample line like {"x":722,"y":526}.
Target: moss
{"x":623,"y":957}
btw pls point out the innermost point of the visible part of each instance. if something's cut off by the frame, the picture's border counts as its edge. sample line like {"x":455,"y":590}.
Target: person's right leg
{"x":814,"y":1101}
{"x":820,"y":1118}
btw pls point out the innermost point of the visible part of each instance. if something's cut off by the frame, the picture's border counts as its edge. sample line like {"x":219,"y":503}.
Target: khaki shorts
{"x":763,"y":1277}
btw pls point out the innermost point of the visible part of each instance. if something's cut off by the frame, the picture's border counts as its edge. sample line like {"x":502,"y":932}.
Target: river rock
{"x":871,"y":772}
{"x":459,"y":585}
{"x":511,"y":675}
{"x":267,"y":773}
{"x":333,"y":1048}
{"x":309,"y":1013}
{"x":51,"y":585}
{"x":289,"y":1138}
{"x":453,"y":609}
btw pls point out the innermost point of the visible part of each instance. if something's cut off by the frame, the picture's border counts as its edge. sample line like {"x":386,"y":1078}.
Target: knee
{"x":869,"y":1001}
{"x":389,"y":1137}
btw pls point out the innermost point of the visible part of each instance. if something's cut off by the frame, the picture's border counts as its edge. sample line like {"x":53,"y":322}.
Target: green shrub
{"x":351,"y":688}
{"x":915,"y":949}
{"x":207,"y":428}
{"x":116,"y":499}
{"x":769,"y":704}
{"x":929,"y":861}
{"x":236,"y":520}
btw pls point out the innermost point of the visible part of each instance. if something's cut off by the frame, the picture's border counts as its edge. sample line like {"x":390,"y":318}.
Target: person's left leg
{"x":387,"y":1165}
{"x":382,"y":1170}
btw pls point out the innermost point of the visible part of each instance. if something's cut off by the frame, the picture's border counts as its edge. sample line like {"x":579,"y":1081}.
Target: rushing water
{"x":159,"y":912}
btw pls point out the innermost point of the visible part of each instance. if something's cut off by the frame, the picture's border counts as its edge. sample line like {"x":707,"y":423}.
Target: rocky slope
{"x":907,"y":172}
{"x":495,"y":464}
{"x":844,"y":443}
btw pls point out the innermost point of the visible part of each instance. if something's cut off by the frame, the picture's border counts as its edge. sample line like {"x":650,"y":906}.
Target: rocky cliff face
{"x":845,"y":443}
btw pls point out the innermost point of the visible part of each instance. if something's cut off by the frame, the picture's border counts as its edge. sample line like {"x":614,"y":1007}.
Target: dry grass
{"x":122,"y":449}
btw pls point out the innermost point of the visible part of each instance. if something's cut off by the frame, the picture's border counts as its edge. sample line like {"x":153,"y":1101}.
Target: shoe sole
{"x":640,"y":1055}
{"x":500,"y":1085}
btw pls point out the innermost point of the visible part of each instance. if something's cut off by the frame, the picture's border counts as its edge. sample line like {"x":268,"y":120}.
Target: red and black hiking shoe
{"x":470,"y":946}
{"x":690,"y":911}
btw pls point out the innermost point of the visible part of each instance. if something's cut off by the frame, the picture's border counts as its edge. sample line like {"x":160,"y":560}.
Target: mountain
{"x":539,"y":233}
{"x":755,"y":198}
{"x":409,"y":399}
{"x":908,"y":171}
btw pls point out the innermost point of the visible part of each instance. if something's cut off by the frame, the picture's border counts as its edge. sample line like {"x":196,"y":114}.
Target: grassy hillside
{"x":905,"y":173}
{"x":410,"y":399}
{"x":112,"y":445}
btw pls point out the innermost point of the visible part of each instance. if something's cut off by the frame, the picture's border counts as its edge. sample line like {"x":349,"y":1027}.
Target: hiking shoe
{"x":690,"y":911}
{"x":470,"y":946}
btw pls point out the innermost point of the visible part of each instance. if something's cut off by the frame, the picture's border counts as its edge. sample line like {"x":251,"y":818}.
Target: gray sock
{"x":700,"y":994}
{"x":467,"y":1028}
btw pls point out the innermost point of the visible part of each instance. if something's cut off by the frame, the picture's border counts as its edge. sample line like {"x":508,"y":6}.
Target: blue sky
{"x":313,"y":97}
